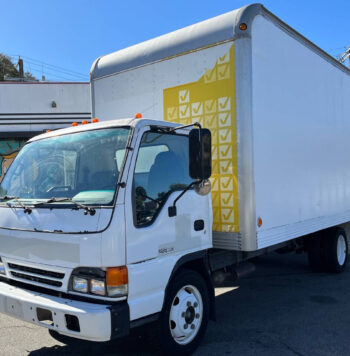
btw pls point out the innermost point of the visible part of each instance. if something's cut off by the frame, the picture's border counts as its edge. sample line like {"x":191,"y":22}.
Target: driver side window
{"x":161,"y":168}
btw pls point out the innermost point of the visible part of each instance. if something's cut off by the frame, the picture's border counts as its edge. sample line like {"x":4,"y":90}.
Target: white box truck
{"x":109,"y":225}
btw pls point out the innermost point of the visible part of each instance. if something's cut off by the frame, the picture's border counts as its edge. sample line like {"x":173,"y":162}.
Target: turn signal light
{"x":260,"y":222}
{"x":117,"y":281}
{"x":116,"y":276}
{"x":138,"y":116}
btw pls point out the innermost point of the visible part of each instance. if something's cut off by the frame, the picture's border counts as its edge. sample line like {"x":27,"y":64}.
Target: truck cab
{"x":96,"y":220}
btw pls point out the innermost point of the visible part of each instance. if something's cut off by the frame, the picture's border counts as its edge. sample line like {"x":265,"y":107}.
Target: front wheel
{"x":185,"y":313}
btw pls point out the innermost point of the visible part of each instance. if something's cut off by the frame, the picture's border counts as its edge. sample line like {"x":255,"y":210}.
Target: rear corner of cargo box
{"x":300,"y":130}
{"x":243,"y":237}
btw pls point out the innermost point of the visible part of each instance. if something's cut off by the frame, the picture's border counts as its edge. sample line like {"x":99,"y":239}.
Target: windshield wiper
{"x":87,"y":209}
{"x":26,"y":208}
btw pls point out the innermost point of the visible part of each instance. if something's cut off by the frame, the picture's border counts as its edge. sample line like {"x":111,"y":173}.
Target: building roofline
{"x":30,"y":83}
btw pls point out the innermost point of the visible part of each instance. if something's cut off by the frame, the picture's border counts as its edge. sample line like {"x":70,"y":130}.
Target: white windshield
{"x":82,"y":166}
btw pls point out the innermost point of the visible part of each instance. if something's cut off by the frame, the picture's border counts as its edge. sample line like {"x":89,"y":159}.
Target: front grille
{"x":44,"y":277}
{"x":36,"y":271}
{"x":37,"y":279}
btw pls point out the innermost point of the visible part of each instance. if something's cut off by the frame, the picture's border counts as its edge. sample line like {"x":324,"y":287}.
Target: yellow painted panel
{"x":211,"y":101}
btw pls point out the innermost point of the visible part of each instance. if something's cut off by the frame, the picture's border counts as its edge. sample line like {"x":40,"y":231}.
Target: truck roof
{"x":132,"y":122}
{"x":201,"y":35}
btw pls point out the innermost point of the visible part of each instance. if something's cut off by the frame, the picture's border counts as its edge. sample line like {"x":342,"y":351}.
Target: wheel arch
{"x":198,"y":262}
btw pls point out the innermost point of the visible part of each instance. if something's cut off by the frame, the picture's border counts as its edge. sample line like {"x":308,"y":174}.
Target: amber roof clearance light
{"x":243,"y":26}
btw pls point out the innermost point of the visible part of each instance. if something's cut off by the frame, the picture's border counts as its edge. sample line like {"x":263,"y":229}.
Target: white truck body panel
{"x":291,"y":145}
{"x":142,"y":88}
{"x":300,"y":129}
{"x":66,"y":221}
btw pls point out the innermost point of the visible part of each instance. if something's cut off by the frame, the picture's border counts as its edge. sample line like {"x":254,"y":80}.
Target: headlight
{"x":2,"y":267}
{"x":112,"y":282}
{"x":80,"y":285}
{"x":97,"y":287}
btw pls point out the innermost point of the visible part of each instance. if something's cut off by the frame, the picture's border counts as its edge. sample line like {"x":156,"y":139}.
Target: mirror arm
{"x":172,"y":209}
{"x":185,"y":126}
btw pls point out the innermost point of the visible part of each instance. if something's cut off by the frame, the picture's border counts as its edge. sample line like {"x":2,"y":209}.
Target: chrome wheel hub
{"x":186,"y":314}
{"x":341,"y":250}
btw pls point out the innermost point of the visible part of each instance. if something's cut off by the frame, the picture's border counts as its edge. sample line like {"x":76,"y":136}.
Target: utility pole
{"x":20,"y":68}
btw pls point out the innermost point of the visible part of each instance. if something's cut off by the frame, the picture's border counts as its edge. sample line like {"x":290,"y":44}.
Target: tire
{"x":185,"y":314}
{"x":336,"y":250}
{"x":328,"y":250}
{"x":315,"y":252}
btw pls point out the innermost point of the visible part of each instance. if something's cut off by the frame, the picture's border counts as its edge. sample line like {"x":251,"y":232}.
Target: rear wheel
{"x":315,"y":252}
{"x":328,"y":250}
{"x":185,"y":314}
{"x":336,"y":250}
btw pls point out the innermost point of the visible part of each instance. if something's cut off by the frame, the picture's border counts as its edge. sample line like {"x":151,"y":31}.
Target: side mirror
{"x":199,"y":148}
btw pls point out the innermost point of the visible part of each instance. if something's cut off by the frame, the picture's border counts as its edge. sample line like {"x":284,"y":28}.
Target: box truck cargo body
{"x":277,"y":107}
{"x":115,"y":223}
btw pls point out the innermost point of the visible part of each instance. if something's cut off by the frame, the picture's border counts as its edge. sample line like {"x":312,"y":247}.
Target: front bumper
{"x":88,"y":321}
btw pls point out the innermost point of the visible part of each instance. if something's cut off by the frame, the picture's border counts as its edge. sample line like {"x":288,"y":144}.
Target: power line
{"x":58,"y":69}
{"x":336,"y":49}
{"x":55,"y":68}
{"x":50,"y":74}
{"x":46,"y":70}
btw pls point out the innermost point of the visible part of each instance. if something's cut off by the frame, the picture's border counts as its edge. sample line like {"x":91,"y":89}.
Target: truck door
{"x":159,"y":173}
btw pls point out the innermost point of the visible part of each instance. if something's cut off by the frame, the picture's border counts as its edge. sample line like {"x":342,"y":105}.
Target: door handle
{"x":198,"y":225}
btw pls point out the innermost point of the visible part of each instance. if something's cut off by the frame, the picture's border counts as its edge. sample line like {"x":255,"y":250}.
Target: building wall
{"x":28,"y":109}
{"x":36,"y":107}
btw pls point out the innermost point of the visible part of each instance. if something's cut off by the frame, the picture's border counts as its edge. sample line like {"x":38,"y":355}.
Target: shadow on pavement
{"x":140,"y":342}
{"x":282,"y":308}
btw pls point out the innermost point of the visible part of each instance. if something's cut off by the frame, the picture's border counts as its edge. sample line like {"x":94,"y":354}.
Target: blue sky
{"x":71,"y":34}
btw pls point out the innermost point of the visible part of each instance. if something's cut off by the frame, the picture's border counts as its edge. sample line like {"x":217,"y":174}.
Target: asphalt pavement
{"x":280,"y":309}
